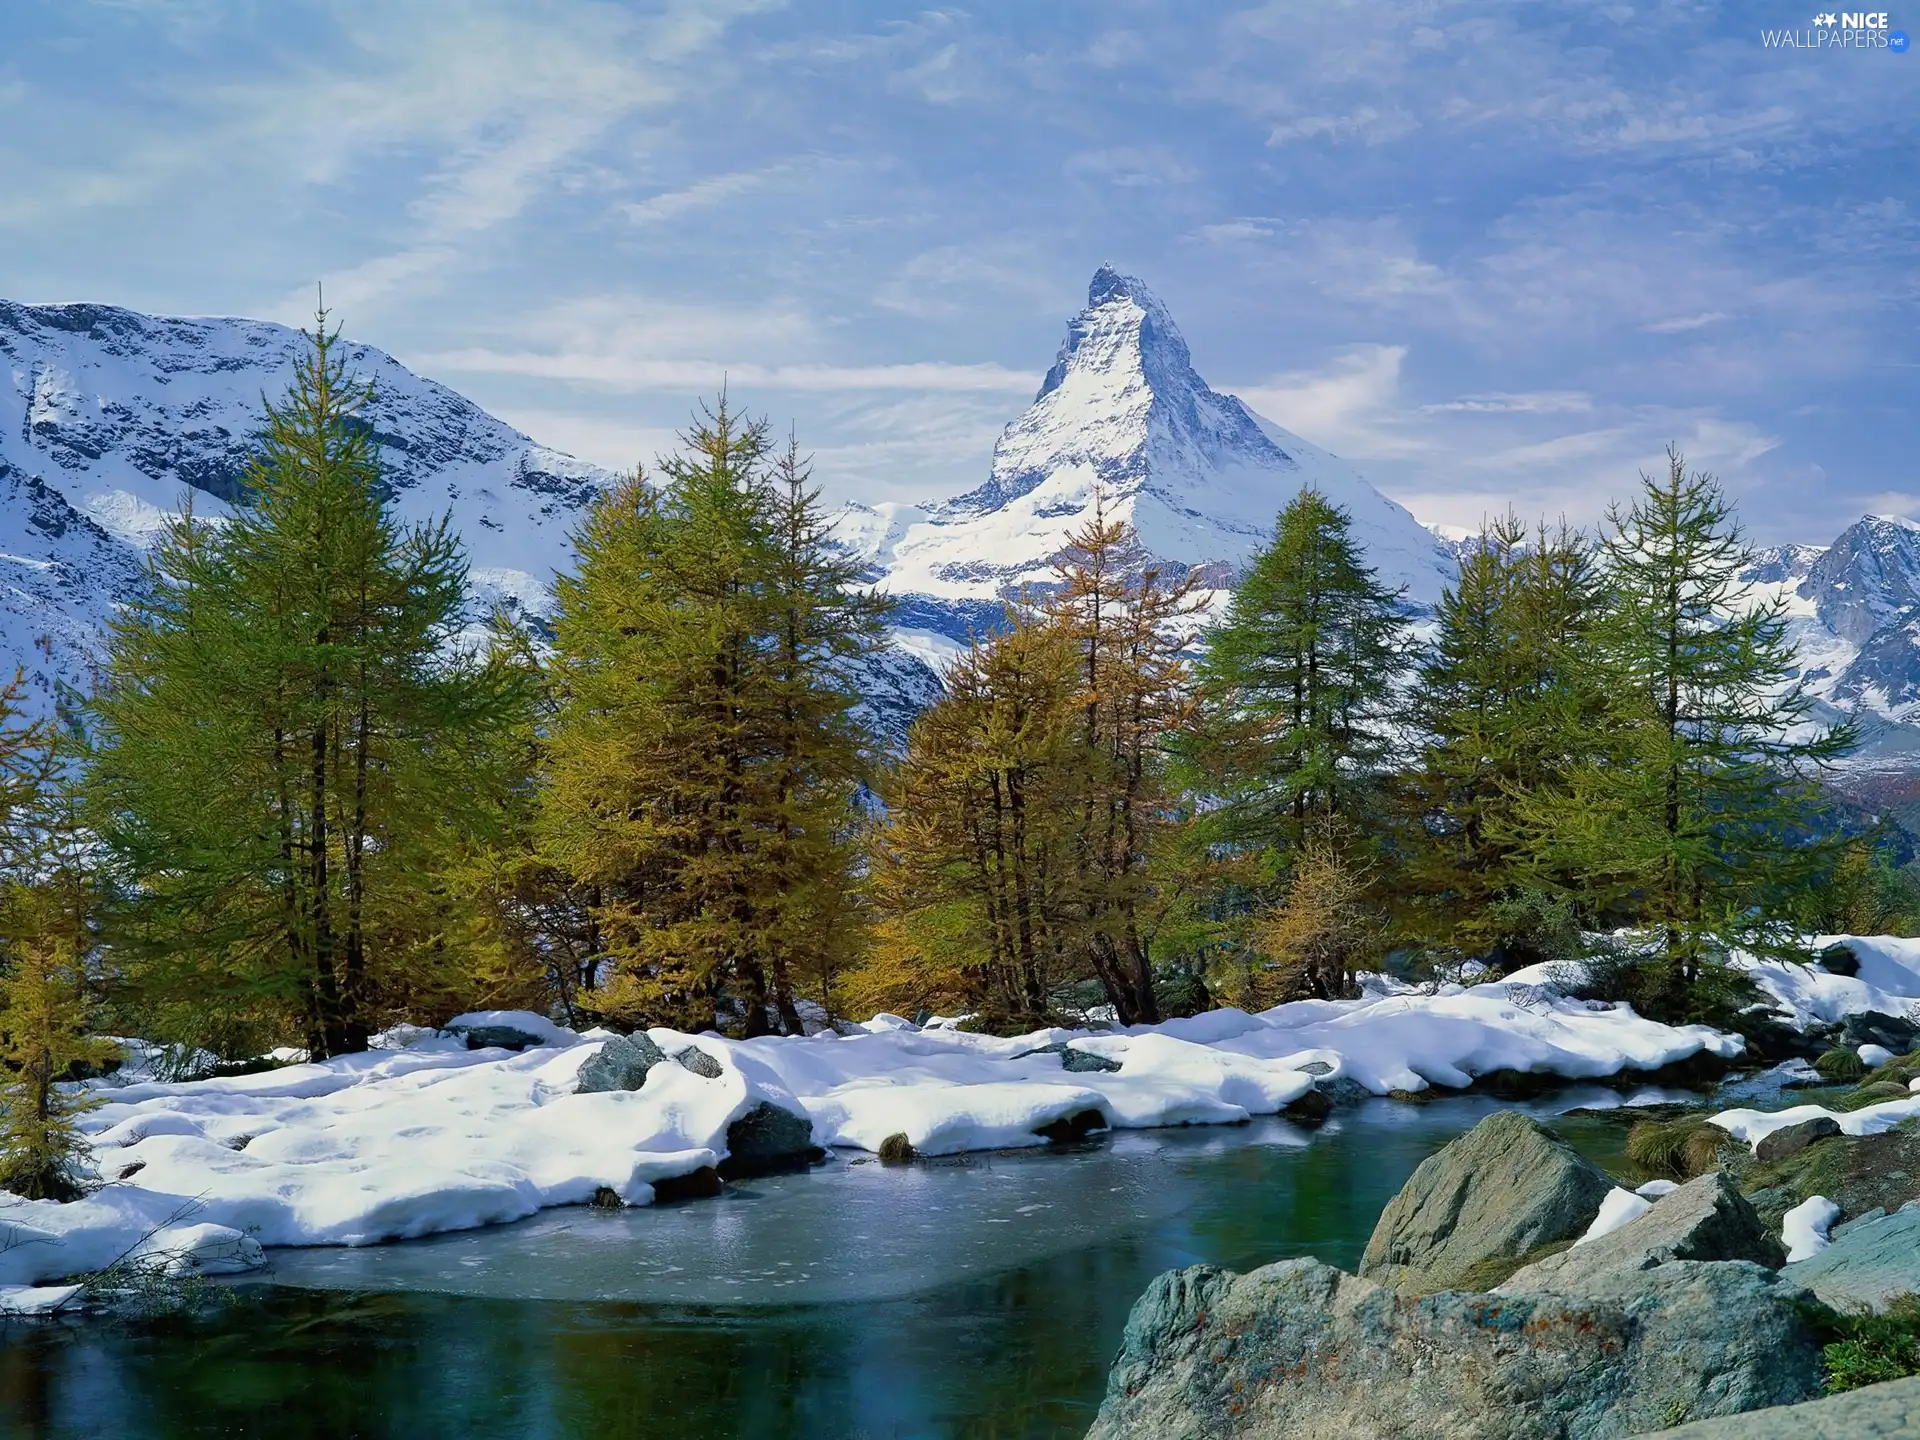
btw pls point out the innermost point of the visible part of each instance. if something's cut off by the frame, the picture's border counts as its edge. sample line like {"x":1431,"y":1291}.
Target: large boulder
{"x":1867,"y":1264}
{"x":1705,"y":1219}
{"x":767,"y":1140}
{"x":1301,"y":1349}
{"x":621,"y":1063}
{"x":1478,"y":1208}
{"x":1874,"y":1412}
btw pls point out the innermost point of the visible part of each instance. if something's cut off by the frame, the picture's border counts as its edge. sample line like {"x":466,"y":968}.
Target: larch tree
{"x":286,"y":735}
{"x":704,"y":763}
{"x":976,"y":861}
{"x":1704,"y":819}
{"x":1130,"y":627}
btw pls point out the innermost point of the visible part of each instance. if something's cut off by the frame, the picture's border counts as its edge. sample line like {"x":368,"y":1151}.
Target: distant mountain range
{"x":107,"y":417}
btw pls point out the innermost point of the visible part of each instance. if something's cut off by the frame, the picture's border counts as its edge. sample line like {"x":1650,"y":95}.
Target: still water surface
{"x":981,"y":1296}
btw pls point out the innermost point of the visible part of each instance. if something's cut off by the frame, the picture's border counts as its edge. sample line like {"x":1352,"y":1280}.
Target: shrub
{"x":1316,"y":937}
{"x":1875,"y":1347}
{"x":1681,"y":1148}
{"x":1840,"y":1065}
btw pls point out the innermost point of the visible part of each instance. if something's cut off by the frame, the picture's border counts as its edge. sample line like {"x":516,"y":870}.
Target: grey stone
{"x":1344,"y":1090}
{"x":502,"y":1037}
{"x":699,"y":1062}
{"x":1505,"y":1188}
{"x":1839,"y":1231}
{"x":1874,"y":1412}
{"x":1839,"y":959}
{"x":1300,"y":1349}
{"x":1705,"y":1219}
{"x":1792,"y":1139}
{"x":621,"y":1063}
{"x":1874,"y":1027}
{"x":767,"y":1139}
{"x":1316,"y":1068}
{"x":1867,"y":1265}
{"x":1073,"y":1059}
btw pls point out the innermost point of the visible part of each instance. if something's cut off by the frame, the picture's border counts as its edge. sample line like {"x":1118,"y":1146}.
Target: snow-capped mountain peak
{"x":1123,"y":412}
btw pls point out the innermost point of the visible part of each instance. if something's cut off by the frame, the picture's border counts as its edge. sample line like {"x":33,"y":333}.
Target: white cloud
{"x":696,"y":374}
{"x":701,"y":195}
{"x":1350,"y":407}
{"x":1680,"y":324}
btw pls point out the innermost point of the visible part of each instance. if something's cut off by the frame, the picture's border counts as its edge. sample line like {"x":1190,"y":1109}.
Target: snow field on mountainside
{"x":431,"y":1136}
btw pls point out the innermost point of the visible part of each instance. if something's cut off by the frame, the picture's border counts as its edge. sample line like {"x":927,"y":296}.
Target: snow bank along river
{"x":427,"y":1136}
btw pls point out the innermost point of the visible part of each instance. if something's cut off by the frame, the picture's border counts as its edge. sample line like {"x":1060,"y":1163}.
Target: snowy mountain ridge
{"x":108,"y":417}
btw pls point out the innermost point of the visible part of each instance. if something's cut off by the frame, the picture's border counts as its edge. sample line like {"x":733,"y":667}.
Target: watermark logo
{"x":1840,"y":30}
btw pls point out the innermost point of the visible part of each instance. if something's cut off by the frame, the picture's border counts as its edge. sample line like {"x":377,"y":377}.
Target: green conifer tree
{"x":1701,"y":819}
{"x":1300,"y":675}
{"x":286,"y":735}
{"x":1509,"y":696}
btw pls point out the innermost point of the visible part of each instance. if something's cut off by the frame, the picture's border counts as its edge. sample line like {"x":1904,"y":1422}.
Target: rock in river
{"x":768,"y":1139}
{"x":1301,"y":1349}
{"x":1502,"y":1191}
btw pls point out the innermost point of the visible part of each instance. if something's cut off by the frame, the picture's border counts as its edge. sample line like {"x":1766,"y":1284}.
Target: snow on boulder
{"x":202,"y":1250}
{"x":1620,"y":1207}
{"x":1803,"y":1229}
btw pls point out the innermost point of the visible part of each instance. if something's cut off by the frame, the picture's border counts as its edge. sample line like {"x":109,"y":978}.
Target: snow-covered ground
{"x":429,"y":1136}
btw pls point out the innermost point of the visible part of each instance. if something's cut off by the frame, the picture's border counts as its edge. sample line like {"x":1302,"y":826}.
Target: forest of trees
{"x":301,"y":806}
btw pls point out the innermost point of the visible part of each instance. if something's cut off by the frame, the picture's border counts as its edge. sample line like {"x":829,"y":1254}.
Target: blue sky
{"x":1492,"y":252}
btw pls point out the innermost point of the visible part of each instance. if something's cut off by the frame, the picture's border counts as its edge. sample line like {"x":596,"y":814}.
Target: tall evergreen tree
{"x":1130,"y":627}
{"x":1300,"y":674}
{"x":1509,"y":697}
{"x":1703,"y":818}
{"x":287,"y":733}
{"x":705,"y":760}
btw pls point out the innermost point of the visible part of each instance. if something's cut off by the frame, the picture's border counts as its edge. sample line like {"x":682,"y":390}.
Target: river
{"x":978,"y":1296}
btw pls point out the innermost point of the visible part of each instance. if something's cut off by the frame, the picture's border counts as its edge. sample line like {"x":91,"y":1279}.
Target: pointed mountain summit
{"x":1123,"y":410}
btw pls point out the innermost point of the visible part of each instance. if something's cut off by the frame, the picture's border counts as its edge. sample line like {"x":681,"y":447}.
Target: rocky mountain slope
{"x":109,"y":419}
